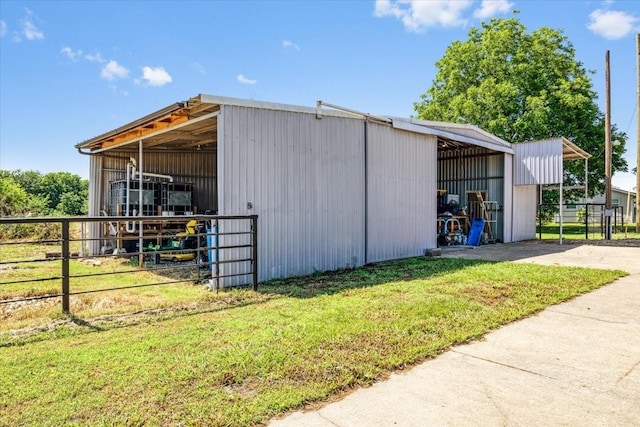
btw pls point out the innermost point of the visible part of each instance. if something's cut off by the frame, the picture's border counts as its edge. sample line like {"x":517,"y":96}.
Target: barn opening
{"x":471,"y":187}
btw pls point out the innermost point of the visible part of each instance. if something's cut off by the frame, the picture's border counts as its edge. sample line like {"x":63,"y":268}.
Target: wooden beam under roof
{"x":197,"y":107}
{"x":139,"y":132}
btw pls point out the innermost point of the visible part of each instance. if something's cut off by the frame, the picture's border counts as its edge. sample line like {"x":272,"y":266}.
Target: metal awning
{"x":571,"y":151}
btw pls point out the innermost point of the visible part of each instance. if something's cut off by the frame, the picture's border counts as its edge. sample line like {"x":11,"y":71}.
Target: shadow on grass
{"x":332,"y":282}
{"x":83,"y":323}
{"x":74,"y":325}
{"x":321,"y":283}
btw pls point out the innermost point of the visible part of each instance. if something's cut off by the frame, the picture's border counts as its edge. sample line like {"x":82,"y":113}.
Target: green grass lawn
{"x":241,"y":357}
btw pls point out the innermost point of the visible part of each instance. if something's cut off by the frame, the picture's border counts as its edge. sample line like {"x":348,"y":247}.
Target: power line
{"x":635,"y":108}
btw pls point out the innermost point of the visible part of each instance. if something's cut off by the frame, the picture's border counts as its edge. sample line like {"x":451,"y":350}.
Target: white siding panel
{"x":304,"y":178}
{"x":507,"y":205}
{"x":538,"y":162}
{"x":402,"y":193}
{"x":524,"y":212}
{"x":95,"y":202}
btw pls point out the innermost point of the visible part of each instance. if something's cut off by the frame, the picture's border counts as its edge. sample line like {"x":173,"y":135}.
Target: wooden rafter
{"x":140,"y":132}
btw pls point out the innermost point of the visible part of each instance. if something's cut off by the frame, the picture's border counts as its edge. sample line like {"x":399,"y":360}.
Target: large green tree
{"x":15,"y":201}
{"x":67,"y":193}
{"x":29,"y":180}
{"x":52,"y":193}
{"x":523,"y":86}
{"x":13,"y":198}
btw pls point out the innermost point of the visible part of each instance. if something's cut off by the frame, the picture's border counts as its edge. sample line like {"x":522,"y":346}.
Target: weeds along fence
{"x":580,"y":220}
{"x":165,"y":250}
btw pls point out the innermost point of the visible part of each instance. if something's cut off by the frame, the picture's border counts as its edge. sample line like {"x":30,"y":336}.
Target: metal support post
{"x":254,"y":245}
{"x":65,"y":265}
{"x":607,"y":151}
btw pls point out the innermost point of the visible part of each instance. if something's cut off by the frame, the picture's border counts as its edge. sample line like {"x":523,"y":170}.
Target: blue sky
{"x":72,"y":70}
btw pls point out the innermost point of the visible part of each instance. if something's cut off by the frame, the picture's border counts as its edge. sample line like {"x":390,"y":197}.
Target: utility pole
{"x":638,"y":135}
{"x":607,"y":152}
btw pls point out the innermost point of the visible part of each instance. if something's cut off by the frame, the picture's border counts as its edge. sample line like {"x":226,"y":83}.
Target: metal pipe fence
{"x":586,"y":220}
{"x":192,"y":248}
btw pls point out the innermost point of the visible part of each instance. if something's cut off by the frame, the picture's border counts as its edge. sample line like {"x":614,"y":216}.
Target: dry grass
{"x":38,"y":312}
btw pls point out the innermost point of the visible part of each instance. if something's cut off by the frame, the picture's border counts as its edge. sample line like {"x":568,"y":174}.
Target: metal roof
{"x":179,"y":125}
{"x":570,"y":151}
{"x":186,"y":125}
{"x":452,"y":136}
{"x":464,"y":130}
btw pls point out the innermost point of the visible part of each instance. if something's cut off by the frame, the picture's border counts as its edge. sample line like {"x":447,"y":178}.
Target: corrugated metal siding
{"x":476,"y":170}
{"x":507,"y":206}
{"x":401,"y":192}
{"x":95,"y":200}
{"x":197,"y":167}
{"x":304,"y":178}
{"x":524,"y":212}
{"x":538,"y":162}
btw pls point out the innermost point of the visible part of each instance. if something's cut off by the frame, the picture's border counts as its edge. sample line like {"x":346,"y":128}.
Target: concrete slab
{"x":608,"y":257}
{"x":576,"y":363}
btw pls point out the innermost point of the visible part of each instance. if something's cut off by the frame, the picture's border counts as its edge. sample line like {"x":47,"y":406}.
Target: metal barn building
{"x":332,"y":188}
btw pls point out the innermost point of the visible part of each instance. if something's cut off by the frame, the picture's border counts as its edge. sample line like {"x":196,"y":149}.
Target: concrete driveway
{"x":625,"y":258}
{"x":575,"y":364}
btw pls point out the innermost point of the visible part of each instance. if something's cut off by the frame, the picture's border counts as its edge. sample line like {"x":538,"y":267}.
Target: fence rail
{"x":197,"y":244}
{"x":581,"y":219}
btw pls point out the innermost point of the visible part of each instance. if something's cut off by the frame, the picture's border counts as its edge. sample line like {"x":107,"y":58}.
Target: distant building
{"x":622,"y":201}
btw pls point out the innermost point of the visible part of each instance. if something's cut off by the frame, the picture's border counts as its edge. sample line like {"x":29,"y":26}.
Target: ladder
{"x":485,"y":216}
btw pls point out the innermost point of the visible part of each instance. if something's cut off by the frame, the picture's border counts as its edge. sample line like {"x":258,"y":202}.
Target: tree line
{"x":31,"y":193}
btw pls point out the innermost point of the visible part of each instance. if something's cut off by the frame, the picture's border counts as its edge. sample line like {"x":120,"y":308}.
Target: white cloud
{"x":116,"y":90}
{"x":155,"y":76}
{"x":3,"y":28}
{"x":70,"y":53}
{"x":612,"y":24}
{"x":95,"y":58}
{"x":417,"y":15}
{"x":245,"y":81}
{"x":77,"y":55}
{"x":29,"y":29}
{"x":289,"y":44}
{"x":113,"y":71}
{"x":490,"y":8}
{"x":198,"y":67}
